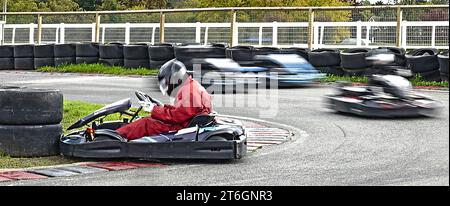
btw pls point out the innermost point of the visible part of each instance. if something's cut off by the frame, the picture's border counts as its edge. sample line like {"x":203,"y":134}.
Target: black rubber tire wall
{"x":161,"y":52}
{"x":44,"y":51}
{"x":431,"y":75}
{"x":64,"y":60}
{"x":266,"y":50}
{"x":443,"y":63}
{"x":240,"y":53}
{"x":303,"y":52}
{"x":65,"y":50}
{"x":26,"y":106}
{"x":6,"y":51}
{"x":42,"y":62}
{"x":6,"y":63}
{"x":87,"y":50}
{"x":24,"y":51}
{"x":324,"y":58}
{"x":444,"y":76}
{"x":135,"y":52}
{"x":400,"y":59}
{"x":354,"y":61}
{"x":30,"y":140}
{"x":424,"y":63}
{"x":111,"y":62}
{"x":111,"y":51}
{"x":156,"y":64}
{"x":86,"y":60}
{"x":24,"y":63}
{"x":136,"y":63}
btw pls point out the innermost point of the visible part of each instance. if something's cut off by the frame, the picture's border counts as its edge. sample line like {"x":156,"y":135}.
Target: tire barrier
{"x":30,"y":121}
{"x":86,"y":53}
{"x":422,"y":60}
{"x":160,"y":54}
{"x":354,"y":59}
{"x":136,"y":56}
{"x":241,"y":54}
{"x":399,"y":53}
{"x":434,"y":75}
{"x":303,"y":52}
{"x":266,"y":51}
{"x":111,"y":54}
{"x":44,"y":55}
{"x":324,"y":57}
{"x":186,"y":54}
{"x":443,"y":66}
{"x":24,"y":57}
{"x":65,"y":54}
{"x":6,"y":57}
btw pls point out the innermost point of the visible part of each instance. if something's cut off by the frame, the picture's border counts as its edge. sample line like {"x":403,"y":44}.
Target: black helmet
{"x":171,"y":75}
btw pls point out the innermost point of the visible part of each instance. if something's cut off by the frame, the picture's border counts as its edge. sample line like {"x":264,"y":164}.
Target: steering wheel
{"x":145,"y":97}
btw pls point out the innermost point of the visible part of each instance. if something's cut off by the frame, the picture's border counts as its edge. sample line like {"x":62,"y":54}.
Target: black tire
{"x":443,"y":63}
{"x":186,"y":53}
{"x":6,"y":51}
{"x":64,"y":61}
{"x":216,"y":138}
{"x":240,"y":53}
{"x":44,"y":51}
{"x":161,"y":52}
{"x":431,"y":76}
{"x":23,"y":51}
{"x":444,"y":77}
{"x":43,"y":62}
{"x":65,"y":50}
{"x":111,"y":62}
{"x":24,"y":63}
{"x":139,"y":63}
{"x":86,"y":60}
{"x":303,"y":52}
{"x":30,"y":140}
{"x":419,"y":64}
{"x":156,"y":64}
{"x":421,"y":52}
{"x":266,"y":51}
{"x":354,"y":61}
{"x":87,"y":50}
{"x":400,"y":59}
{"x":135,"y":52}
{"x":26,"y":106}
{"x":324,"y":58}
{"x":6,"y":63}
{"x":111,"y":51}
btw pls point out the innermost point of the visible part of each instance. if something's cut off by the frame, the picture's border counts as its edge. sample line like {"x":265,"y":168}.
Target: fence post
{"x":62,"y":38}
{"x":399,"y":25}
{"x":310,"y":28}
{"x":358,"y":33}
{"x":97,"y":27}
{"x":433,"y":35}
{"x":39,"y":29}
{"x":31,"y":36}
{"x":162,"y":21}
{"x":198,"y":32}
{"x":127,"y":33}
{"x":275,"y":34}
{"x":233,"y":29}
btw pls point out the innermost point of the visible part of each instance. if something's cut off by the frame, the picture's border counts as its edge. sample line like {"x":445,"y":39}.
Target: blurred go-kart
{"x":385,"y":96}
{"x":205,"y":137}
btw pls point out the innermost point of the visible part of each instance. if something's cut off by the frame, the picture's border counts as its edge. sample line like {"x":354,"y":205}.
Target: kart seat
{"x":202,"y":120}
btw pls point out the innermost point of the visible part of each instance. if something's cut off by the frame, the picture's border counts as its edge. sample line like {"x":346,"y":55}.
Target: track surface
{"x":337,"y":150}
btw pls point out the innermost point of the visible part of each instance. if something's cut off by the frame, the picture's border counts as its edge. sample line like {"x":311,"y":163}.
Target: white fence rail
{"x":414,"y":34}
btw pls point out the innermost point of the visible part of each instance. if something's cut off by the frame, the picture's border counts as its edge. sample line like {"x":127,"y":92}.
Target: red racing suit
{"x":191,"y":100}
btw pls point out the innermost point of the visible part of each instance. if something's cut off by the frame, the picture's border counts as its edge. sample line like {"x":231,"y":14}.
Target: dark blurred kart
{"x":284,"y":69}
{"x":204,"y":138}
{"x":385,"y":96}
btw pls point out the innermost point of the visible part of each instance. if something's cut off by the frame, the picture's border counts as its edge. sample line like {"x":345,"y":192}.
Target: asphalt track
{"x":335,"y":150}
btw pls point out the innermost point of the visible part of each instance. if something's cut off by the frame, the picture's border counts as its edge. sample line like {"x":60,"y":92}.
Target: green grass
{"x":99,"y":69}
{"x":73,"y":111}
{"x":416,"y":81}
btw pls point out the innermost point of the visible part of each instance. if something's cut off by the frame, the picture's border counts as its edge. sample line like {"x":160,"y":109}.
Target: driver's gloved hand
{"x":147,"y":106}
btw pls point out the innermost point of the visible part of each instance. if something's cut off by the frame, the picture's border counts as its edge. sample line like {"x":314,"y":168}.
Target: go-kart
{"x":385,"y":96}
{"x":206,"y":137}
{"x":284,"y":69}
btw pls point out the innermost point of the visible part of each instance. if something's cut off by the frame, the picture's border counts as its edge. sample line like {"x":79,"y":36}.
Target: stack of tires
{"x":425,"y":63}
{"x":187,"y":54}
{"x":136,"y":56}
{"x":30,"y":121}
{"x":65,"y":54}
{"x":353,"y":61}
{"x":6,"y":57}
{"x":24,"y":57}
{"x":111,"y":54}
{"x":443,"y":65}
{"x":388,"y":60}
{"x":266,"y":51}
{"x":303,"y":52}
{"x":44,"y":56}
{"x":160,"y":54}
{"x":241,"y":54}
{"x":86,"y":53}
{"x":326,"y":60}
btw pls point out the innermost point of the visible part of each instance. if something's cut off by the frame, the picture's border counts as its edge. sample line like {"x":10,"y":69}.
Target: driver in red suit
{"x":188,"y":97}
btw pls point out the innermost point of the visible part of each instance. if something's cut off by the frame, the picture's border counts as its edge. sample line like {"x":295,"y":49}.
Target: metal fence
{"x":312,"y":27}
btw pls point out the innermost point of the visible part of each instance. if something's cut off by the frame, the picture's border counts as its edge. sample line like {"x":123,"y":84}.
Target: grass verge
{"x":99,"y":69}
{"x":416,"y":81}
{"x":73,"y":111}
